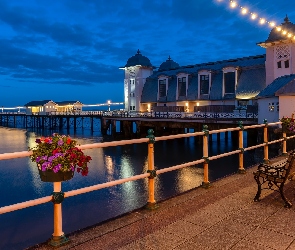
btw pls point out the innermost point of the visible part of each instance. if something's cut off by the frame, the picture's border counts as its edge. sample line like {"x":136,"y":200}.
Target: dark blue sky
{"x":72,"y":49}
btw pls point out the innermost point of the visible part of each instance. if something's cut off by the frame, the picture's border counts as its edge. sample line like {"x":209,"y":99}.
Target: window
{"x":229,"y":82}
{"x":132,"y":81}
{"x":162,"y":88}
{"x":182,"y":86}
{"x":271,"y":107}
{"x":204,"y":84}
{"x":133,"y":107}
{"x":242,"y":103}
{"x":283,"y":54}
{"x":278,"y":107}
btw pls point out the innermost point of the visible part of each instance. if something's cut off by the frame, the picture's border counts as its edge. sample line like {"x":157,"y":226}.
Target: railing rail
{"x":58,"y":236}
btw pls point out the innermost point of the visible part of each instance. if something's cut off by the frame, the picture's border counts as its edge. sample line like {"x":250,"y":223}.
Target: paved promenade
{"x":221,"y":217}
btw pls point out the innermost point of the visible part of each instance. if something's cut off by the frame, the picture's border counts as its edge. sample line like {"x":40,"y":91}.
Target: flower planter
{"x":50,"y":176}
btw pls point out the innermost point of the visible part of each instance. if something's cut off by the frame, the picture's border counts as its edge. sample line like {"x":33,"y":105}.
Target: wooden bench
{"x":274,"y":176}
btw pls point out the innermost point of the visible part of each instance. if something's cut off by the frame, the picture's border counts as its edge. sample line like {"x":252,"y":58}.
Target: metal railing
{"x":58,"y":237}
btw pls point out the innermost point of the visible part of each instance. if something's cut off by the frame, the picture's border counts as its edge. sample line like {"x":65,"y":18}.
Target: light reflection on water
{"x":19,"y":181}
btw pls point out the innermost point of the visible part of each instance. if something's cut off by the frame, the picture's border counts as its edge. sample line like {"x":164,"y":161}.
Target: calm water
{"x":19,"y":182}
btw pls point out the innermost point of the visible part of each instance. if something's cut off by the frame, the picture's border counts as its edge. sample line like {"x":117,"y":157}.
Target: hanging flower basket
{"x":50,"y":176}
{"x":58,"y":157}
{"x":288,"y":124}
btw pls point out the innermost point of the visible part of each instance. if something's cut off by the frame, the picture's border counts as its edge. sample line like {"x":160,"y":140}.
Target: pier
{"x":130,"y":124}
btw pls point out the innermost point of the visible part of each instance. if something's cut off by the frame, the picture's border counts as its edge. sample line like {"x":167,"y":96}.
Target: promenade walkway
{"x":221,"y":217}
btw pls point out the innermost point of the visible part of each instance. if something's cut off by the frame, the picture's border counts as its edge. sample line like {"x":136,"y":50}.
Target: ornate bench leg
{"x":288,"y":204}
{"x":257,"y":196}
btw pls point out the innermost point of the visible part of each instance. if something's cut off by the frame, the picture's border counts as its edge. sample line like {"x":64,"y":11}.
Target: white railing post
{"x":151,"y":204}
{"x":241,"y":147}
{"x":265,"y":140}
{"x":58,"y":236}
{"x":205,"y":183}
{"x":284,"y":143}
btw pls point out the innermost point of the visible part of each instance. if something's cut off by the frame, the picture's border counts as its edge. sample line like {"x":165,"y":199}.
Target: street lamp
{"x":109,"y":104}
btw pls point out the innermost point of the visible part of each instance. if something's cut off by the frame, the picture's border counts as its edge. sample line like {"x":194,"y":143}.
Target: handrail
{"x":152,"y":173}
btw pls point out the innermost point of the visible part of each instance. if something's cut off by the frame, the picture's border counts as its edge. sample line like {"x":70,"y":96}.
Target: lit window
{"x":271,"y":107}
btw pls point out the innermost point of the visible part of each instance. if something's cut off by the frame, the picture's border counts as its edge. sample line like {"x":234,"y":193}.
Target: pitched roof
{"x":277,"y":84}
{"x":288,"y":89}
{"x":38,"y":103}
{"x":250,"y":82}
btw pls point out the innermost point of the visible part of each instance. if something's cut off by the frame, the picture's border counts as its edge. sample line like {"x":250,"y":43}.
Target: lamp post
{"x":109,"y":104}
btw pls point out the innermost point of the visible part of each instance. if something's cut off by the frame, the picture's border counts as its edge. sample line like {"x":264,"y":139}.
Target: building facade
{"x":266,"y":81}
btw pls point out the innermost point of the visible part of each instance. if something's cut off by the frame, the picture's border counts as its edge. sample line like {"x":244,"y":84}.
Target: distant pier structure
{"x":56,"y":121}
{"x":125,"y":124}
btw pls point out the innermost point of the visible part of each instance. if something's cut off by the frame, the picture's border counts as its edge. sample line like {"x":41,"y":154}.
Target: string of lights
{"x":262,"y":20}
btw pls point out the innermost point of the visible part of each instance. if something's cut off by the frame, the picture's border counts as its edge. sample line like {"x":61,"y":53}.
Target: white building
{"x":40,"y":107}
{"x":265,"y":81}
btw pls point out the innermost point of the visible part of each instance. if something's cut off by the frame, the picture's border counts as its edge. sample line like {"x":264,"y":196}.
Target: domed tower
{"x":137,"y":69}
{"x":280,"y":51}
{"x":169,"y":64}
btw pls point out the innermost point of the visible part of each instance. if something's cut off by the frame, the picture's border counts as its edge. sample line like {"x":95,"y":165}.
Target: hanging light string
{"x":262,"y":21}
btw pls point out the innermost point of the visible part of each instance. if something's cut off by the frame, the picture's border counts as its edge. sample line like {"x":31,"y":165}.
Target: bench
{"x":274,"y":176}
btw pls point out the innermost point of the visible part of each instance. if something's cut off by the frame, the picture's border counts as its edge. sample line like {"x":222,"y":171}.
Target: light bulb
{"x":233,"y":4}
{"x":279,"y":28}
{"x":244,"y":11}
{"x":272,"y":24}
{"x":262,"y":21}
{"x":253,"y":16}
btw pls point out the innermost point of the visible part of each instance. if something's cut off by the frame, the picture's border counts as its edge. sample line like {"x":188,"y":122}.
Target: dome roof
{"x":138,"y":59}
{"x":169,"y":64}
{"x":276,"y":35}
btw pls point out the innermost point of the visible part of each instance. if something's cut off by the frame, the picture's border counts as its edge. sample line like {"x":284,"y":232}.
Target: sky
{"x":73,"y":49}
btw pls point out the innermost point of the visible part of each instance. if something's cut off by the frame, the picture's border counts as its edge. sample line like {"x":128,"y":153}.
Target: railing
{"x":58,"y":237}
{"x":236,"y":114}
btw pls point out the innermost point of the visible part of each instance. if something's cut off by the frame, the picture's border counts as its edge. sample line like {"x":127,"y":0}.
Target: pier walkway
{"x":221,"y":217}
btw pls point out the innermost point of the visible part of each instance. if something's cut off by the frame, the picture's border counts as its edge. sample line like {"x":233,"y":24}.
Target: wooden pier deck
{"x":221,"y":217}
